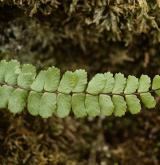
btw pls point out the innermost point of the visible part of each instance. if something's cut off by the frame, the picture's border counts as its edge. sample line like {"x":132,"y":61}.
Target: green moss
{"x":119,"y":20}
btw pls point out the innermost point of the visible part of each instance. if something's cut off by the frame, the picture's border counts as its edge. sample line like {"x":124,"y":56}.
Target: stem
{"x":57,"y":92}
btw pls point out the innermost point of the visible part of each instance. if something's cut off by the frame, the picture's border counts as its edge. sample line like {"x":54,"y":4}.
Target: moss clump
{"x":104,"y":33}
{"x":115,"y":20}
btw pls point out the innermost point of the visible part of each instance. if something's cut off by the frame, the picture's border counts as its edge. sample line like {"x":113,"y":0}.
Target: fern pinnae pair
{"x":47,"y":93}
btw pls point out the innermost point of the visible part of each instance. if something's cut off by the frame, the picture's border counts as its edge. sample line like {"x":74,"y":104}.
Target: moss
{"x":118,"y":20}
{"x":55,"y":40}
{"x":105,"y":34}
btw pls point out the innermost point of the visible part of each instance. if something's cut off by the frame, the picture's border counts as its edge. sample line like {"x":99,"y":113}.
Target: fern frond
{"x":46,"y":93}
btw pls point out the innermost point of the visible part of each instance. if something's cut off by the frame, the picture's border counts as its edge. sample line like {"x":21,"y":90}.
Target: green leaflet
{"x":144,"y":83}
{"x":52,"y":79}
{"x":34,"y":103}
{"x":17,"y":100}
{"x":106,"y":105}
{"x":148,"y":100}
{"x":11,"y":72}
{"x":96,"y":84}
{"x":47,"y":105}
{"x":26,"y":76}
{"x":68,"y":82}
{"x":63,"y":105}
{"x":109,"y":82}
{"x":43,"y":104}
{"x":133,"y":104}
{"x":5,"y":92}
{"x":120,"y":105}
{"x":120,"y":82}
{"x":156,"y":84}
{"x":81,"y":80}
{"x":3,"y":66}
{"x":92,"y":105}
{"x":131,"y":85}
{"x":73,"y":82}
{"x":38,"y":83}
{"x":47,"y":80}
{"x":12,"y":69}
{"x":78,"y":105}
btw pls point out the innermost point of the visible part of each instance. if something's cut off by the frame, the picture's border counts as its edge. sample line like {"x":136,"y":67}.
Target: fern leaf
{"x":63,"y":105}
{"x":144,"y":83}
{"x":81,"y":81}
{"x":17,"y":100}
{"x":119,"y":105}
{"x":131,"y":85}
{"x":133,"y":104}
{"x":109,"y":82}
{"x":38,"y":84}
{"x":5,"y":92}
{"x":52,"y":78}
{"x":26,"y":76}
{"x":3,"y":66}
{"x":34,"y":103}
{"x":68,"y":82}
{"x":92,"y":105}
{"x":106,"y":105}
{"x":47,"y":80}
{"x":47,"y":105}
{"x":120,"y":82}
{"x":96,"y":84}
{"x":11,"y":72}
{"x":156,"y":84}
{"x":45,"y":94}
{"x":78,"y":105}
{"x":148,"y":100}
